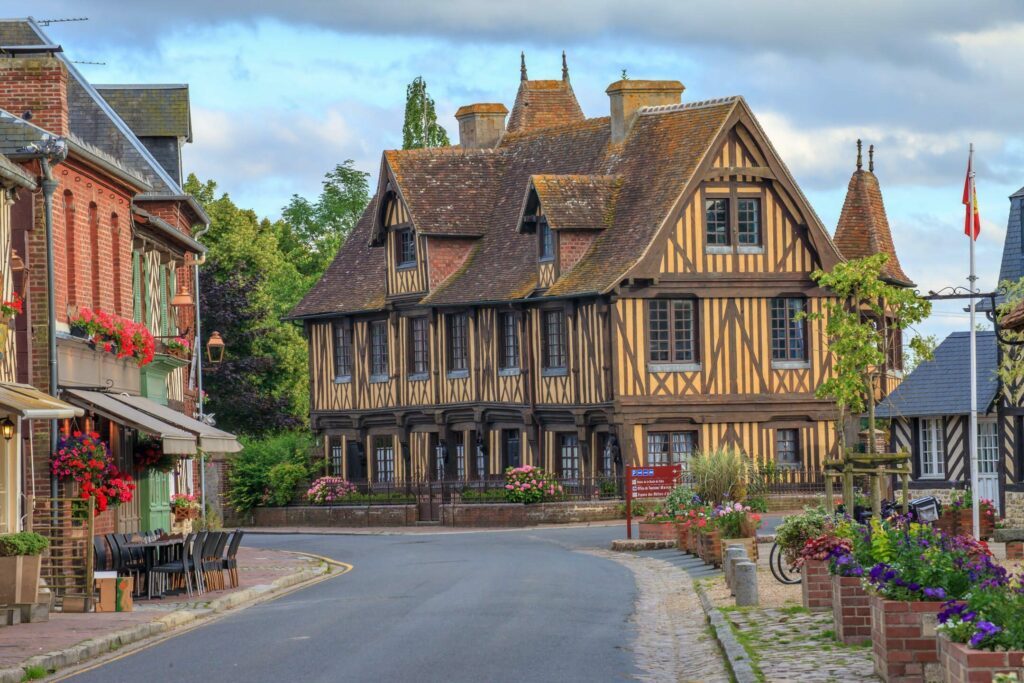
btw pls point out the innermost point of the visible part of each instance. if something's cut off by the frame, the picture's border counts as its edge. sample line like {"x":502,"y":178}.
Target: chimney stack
{"x":38,"y":83}
{"x":627,"y":96}
{"x":481,"y":125}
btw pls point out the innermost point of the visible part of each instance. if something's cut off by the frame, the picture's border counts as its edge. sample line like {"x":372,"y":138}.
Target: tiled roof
{"x":543,"y":104}
{"x":863,"y":228}
{"x":577,"y":202}
{"x":941,"y":386}
{"x":355,"y":280}
{"x":151,"y":110}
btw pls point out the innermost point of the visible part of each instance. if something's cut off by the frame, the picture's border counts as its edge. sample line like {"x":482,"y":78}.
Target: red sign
{"x":648,"y":482}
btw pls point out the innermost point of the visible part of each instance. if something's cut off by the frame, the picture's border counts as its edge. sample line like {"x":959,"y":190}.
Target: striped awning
{"x":175,"y":441}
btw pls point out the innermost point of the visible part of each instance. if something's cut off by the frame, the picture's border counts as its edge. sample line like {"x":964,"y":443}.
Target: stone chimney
{"x":481,"y":125}
{"x":627,"y":96}
{"x":36,"y":83}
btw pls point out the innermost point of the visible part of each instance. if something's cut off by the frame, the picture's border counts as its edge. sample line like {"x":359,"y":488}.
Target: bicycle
{"x":780,"y":570}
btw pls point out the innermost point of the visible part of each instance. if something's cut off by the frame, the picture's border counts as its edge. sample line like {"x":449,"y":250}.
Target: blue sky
{"x":283,"y":91}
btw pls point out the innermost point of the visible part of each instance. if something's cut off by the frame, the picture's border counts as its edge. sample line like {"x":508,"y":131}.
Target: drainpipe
{"x":197,"y":347}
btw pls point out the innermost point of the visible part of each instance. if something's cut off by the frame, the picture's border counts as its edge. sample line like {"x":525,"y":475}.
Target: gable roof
{"x":863,"y":228}
{"x":355,"y":280}
{"x":576,"y":202}
{"x":543,"y":104}
{"x":941,"y":386}
{"x":152,"y":110}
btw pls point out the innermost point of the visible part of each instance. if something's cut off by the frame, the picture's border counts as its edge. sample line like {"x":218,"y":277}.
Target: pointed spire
{"x":871,"y":158}
{"x":860,"y":163}
{"x":522,"y":66}
{"x":565,"y":68}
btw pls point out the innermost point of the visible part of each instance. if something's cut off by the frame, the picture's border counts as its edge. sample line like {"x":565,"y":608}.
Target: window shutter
{"x":163,"y":301}
{"x":137,"y":286}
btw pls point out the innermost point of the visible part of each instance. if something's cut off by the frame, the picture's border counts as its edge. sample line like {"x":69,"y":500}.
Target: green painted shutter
{"x":137,"y":286}
{"x":164,"y":327}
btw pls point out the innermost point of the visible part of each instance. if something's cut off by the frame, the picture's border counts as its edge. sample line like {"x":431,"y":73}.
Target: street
{"x":488,"y":606}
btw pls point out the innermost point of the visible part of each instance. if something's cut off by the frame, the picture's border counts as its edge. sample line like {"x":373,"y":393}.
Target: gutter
{"x":187,"y":198}
{"x":169,"y":231}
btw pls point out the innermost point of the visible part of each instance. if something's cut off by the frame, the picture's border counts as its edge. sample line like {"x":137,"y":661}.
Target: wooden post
{"x":876,"y":491}
{"x":848,"y":500}
{"x":90,"y":529}
{"x":830,"y":504}
{"x":906,"y":492}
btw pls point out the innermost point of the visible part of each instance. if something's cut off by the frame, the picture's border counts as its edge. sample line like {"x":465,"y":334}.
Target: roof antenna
{"x":47,"y":22}
{"x":565,"y":68}
{"x":522,"y":66}
{"x":871,"y":158}
{"x":860,"y":163}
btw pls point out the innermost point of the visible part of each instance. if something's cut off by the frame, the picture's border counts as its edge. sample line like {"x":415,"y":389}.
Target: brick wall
{"x":38,"y":84}
{"x":572,"y":245}
{"x":816,"y":586}
{"x":851,"y":610}
{"x":445,"y":255}
{"x":961,"y":664}
{"x":904,"y":643}
{"x":342,"y":516}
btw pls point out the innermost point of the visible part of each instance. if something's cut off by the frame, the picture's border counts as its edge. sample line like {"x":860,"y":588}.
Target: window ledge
{"x":419,"y":377}
{"x":718,"y":249}
{"x":750,"y":249}
{"x":674,"y":367}
{"x":790,"y":365}
{"x":343,"y":379}
{"x":554,"y":372}
{"x":458,"y":374}
{"x":545,"y":259}
{"x":932,"y":477}
{"x":406,"y":266}
{"x":377,"y":379}
{"x":509,"y":372}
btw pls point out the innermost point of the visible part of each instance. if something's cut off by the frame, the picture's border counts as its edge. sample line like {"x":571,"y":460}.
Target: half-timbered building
{"x":577,"y":293}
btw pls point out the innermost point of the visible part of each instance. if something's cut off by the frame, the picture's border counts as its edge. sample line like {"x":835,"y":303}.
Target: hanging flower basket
{"x":184,"y":506}
{"x":179,"y":347}
{"x":150,"y":455}
{"x":84,"y":459}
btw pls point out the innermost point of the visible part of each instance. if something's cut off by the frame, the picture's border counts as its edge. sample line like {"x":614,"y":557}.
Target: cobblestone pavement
{"x":673,"y":641}
{"x":794,"y":645}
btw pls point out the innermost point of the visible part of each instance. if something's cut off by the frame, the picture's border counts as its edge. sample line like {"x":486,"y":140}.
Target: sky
{"x":281,"y":92}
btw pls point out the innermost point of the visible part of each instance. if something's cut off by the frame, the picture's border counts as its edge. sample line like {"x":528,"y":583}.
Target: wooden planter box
{"x":657,"y":531}
{"x":851,"y":610}
{"x":962,"y":664}
{"x":816,"y":586}
{"x":19,"y":579}
{"x":750,"y":543}
{"x":905,"y":646}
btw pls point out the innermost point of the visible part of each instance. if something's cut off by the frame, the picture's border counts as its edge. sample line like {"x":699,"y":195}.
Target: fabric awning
{"x":211,"y":439}
{"x":32,"y":404}
{"x":175,"y":441}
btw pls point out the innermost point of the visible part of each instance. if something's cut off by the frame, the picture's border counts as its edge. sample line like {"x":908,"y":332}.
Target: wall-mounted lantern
{"x":7,"y":428}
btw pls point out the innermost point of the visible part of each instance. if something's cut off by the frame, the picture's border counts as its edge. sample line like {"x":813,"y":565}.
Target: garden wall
{"x":517,"y":515}
{"x":323,"y":515}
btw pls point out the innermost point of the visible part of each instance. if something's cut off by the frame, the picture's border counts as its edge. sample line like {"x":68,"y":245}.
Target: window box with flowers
{"x":184,"y":506}
{"x":84,"y":459}
{"x":179,"y":347}
{"x":8,"y":309}
{"x":116,"y":335}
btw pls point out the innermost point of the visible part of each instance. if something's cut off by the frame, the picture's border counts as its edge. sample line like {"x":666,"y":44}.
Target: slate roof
{"x":543,"y":104}
{"x":577,"y":202}
{"x":473,"y":193}
{"x":941,"y":386}
{"x":151,"y":110}
{"x":863,"y":227}
{"x":1012,"y":266}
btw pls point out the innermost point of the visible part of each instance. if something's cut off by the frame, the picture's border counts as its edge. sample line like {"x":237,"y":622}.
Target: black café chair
{"x":213,"y":565}
{"x":230,"y":561}
{"x":100,"y":555}
{"x":196,"y":558}
{"x":123,"y":562}
{"x":180,"y":567}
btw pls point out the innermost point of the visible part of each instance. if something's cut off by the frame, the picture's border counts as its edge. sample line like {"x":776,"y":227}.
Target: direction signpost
{"x":648,"y":482}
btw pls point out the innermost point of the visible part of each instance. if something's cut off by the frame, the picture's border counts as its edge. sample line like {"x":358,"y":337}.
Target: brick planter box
{"x":904,"y":642}
{"x":960,"y":522}
{"x":1015,"y":550}
{"x":816,"y":586}
{"x":962,"y":664}
{"x":710,"y":547}
{"x":851,"y":610}
{"x":657,"y":531}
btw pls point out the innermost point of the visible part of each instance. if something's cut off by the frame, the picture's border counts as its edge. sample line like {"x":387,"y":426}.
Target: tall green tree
{"x":311,"y":232}
{"x":421,"y":128}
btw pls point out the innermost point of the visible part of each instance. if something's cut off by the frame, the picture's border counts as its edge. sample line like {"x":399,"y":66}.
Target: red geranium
{"x":123,"y":337}
{"x":85,"y":459}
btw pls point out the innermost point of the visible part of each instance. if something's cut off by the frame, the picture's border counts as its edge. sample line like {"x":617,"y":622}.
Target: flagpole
{"x":973,"y":440}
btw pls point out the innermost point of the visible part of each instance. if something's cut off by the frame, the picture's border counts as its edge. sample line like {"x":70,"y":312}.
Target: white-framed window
{"x":670,"y":448}
{"x":932,"y":458}
{"x":384,"y":462}
{"x":988,"y":448}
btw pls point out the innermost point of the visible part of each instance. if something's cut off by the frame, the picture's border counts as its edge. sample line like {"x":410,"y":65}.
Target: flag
{"x":972,"y":218}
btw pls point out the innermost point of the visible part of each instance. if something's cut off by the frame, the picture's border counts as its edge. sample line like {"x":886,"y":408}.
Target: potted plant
{"x":113,"y":334}
{"x":184,"y":506}
{"x":658,"y":525}
{"x":19,"y":567}
{"x":530,"y":484}
{"x":179,"y":347}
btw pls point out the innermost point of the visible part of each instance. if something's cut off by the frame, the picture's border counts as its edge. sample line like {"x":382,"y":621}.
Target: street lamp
{"x":182,"y":298}
{"x":215,"y":348}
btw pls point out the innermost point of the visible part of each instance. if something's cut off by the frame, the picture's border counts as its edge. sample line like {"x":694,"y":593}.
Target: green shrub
{"x":720,"y":474}
{"x":23,"y":543}
{"x":282,"y":480}
{"x":249,"y":482}
{"x":796,"y":530}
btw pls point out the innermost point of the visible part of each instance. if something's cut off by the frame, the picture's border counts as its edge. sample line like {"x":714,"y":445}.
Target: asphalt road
{"x":497,"y":606}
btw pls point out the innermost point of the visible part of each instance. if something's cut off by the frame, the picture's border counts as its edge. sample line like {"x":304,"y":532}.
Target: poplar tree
{"x":421,"y":128}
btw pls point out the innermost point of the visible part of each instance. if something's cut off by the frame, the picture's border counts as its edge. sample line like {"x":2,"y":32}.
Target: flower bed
{"x":962,"y":664}
{"x":330,"y":490}
{"x":529,"y":484}
{"x":113,"y":334}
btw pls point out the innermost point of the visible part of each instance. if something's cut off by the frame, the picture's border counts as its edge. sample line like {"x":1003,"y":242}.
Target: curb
{"x":735,"y":654}
{"x":100,"y":645}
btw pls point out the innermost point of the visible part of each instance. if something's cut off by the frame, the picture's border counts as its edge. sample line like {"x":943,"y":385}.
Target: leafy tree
{"x":421,"y":128}
{"x":311,"y":233}
{"x":859,"y":324}
{"x":1011,"y":365}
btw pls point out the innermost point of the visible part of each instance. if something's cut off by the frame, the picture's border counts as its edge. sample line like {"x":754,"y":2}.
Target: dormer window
{"x":547,"y":240}
{"x":405,"y":245}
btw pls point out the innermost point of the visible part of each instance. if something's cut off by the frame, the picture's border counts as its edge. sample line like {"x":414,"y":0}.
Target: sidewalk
{"x":68,"y":639}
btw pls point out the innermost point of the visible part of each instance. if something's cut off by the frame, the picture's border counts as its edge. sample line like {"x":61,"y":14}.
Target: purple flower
{"x":984,"y":630}
{"x":935,"y":593}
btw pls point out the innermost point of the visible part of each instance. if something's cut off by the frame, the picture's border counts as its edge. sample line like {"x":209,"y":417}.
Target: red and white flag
{"x":972,"y":218}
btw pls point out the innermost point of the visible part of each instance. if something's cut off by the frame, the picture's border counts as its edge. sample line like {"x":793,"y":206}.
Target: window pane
{"x":788,"y":331}
{"x":458,"y":358}
{"x":570,"y":457}
{"x":748,"y":226}
{"x":716,"y":220}
{"x":933,"y":463}
{"x":547,"y":240}
{"x":787,"y":448}
{"x":460,"y":461}
{"x":657,"y":448}
{"x":379,"y":347}
{"x":342,"y":349}
{"x":512,"y":453}
{"x":384,"y":460}
{"x":658,"y":330}
{"x":684,"y":349}
{"x":406,"y":247}
{"x":682,"y":447}
{"x":554,"y":339}
{"x":419,"y":358}
{"x":510,"y":341}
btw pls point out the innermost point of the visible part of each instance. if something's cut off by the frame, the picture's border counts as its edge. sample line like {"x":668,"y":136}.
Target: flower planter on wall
{"x":816,"y":586}
{"x":905,"y":645}
{"x":657,"y":531}
{"x":851,"y":610}
{"x":19,"y":579}
{"x":963,"y":664}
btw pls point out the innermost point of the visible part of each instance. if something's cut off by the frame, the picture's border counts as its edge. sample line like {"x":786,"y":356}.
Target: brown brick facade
{"x":851,"y":610}
{"x":445,"y":255}
{"x":572,"y":245}
{"x":39,"y":85}
{"x":961,"y":664}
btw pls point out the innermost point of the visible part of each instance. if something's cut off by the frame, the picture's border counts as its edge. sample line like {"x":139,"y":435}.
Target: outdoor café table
{"x":152,"y":551}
